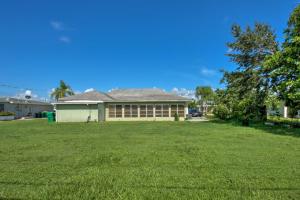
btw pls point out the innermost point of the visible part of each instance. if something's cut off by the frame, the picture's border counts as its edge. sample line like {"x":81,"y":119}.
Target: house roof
{"x":144,"y":95}
{"x":88,"y":96}
{"x":126,"y":95}
{"x":22,"y":101}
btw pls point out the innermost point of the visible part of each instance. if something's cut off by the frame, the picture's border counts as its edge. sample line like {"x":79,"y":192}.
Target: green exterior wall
{"x":76,"y":112}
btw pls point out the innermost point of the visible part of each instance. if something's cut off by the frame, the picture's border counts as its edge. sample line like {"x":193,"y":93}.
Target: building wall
{"x":139,"y":118}
{"x":76,"y":112}
{"x":23,"y":110}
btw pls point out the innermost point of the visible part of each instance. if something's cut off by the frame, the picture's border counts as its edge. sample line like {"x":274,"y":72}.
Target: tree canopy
{"x":284,"y":66}
{"x":62,"y":90}
{"x":247,"y":86}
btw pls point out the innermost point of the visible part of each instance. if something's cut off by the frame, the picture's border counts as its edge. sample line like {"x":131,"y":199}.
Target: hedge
{"x":7,"y":114}
{"x":293,"y":122}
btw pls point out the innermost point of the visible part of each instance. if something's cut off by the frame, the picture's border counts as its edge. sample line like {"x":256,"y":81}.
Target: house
{"x":121,"y":105}
{"x":22,"y":107}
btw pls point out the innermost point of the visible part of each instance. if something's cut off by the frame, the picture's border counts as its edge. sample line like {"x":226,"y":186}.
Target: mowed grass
{"x":147,"y":160}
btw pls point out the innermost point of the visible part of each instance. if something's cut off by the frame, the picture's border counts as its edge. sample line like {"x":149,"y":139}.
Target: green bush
{"x":284,"y":121}
{"x":7,"y":114}
{"x":222,"y":112}
{"x":176,"y":117}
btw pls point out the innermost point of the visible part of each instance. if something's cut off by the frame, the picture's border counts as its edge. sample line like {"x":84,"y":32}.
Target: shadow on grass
{"x":277,"y":130}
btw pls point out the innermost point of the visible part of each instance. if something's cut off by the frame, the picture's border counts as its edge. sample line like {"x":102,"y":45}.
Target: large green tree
{"x":248,"y":85}
{"x":62,"y":90}
{"x":284,"y":66}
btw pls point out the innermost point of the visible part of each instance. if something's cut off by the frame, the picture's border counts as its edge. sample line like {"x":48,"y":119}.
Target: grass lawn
{"x":148,"y":160}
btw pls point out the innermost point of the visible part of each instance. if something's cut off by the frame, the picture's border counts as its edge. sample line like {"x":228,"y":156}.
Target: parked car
{"x":195,"y":113}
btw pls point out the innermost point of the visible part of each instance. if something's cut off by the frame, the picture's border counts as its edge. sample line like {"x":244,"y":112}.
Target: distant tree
{"x":192,"y":104}
{"x":62,"y":91}
{"x":284,"y":66}
{"x":248,"y":85}
{"x":205,"y":95}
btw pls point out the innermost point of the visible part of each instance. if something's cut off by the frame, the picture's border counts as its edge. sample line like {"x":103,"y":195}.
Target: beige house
{"x":23,"y":107}
{"x":122,"y":105}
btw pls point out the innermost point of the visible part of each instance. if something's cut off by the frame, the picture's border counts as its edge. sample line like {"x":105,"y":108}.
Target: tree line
{"x":268,"y":73}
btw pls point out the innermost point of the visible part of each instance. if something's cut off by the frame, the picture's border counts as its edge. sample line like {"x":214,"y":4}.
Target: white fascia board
{"x":78,"y":102}
{"x":83,"y":101}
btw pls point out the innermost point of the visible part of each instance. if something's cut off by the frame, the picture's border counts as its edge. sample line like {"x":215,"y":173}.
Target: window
{"x":149,"y":110}
{"x":177,"y":109}
{"x":173,"y":110}
{"x":158,"y":111}
{"x":119,"y":111}
{"x":130,"y":111}
{"x":1,"y":107}
{"x":127,"y":111}
{"x":143,"y":111}
{"x":165,"y":110}
{"x":181,"y":110}
{"x":115,"y":111}
{"x":134,"y":111}
{"x":112,"y":111}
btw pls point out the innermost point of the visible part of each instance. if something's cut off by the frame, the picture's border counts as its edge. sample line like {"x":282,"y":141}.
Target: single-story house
{"x":121,"y":105}
{"x":23,"y":107}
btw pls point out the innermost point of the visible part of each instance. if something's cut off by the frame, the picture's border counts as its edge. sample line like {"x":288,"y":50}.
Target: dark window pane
{"x":143,"y":111}
{"x":119,"y":111}
{"x":149,"y":110}
{"x":112,"y":111}
{"x":173,"y":110}
{"x":158,"y":111}
{"x":127,"y":111}
{"x":134,"y":111}
{"x":165,"y":110}
{"x":181,"y":110}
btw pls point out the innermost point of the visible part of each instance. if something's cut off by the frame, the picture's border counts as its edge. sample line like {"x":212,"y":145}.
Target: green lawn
{"x":147,"y":160}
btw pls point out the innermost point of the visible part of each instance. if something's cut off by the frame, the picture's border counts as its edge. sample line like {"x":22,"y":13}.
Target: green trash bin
{"x":51,"y":117}
{"x":44,"y":114}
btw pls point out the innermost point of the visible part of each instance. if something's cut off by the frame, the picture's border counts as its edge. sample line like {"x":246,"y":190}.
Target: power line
{"x":21,"y":88}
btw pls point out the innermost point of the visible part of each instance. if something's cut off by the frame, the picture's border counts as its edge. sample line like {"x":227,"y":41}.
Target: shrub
{"x":176,"y":117}
{"x":7,"y":114}
{"x":284,"y":121}
{"x":221,"y":111}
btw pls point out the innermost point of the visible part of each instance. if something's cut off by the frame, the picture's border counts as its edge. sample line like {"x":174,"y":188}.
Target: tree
{"x":248,"y":85}
{"x":62,"y":91}
{"x":205,"y":94}
{"x":192,"y":104}
{"x":284,"y":66}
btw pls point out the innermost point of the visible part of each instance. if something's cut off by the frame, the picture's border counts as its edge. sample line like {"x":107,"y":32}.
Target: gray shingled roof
{"x":22,"y":101}
{"x":88,"y":96}
{"x":126,"y":95}
{"x":144,"y":95}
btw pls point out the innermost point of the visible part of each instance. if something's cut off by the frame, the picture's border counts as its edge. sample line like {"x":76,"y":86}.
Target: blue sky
{"x":123,"y":44}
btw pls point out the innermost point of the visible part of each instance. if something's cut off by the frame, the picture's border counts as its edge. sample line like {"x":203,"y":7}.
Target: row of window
{"x":161,"y":110}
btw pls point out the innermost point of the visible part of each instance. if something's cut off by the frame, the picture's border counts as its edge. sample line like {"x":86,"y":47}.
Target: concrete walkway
{"x":198,"y":119}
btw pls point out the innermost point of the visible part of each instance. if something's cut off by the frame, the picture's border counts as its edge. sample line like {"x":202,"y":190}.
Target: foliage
{"x":206,"y":96}
{"x":284,"y":121}
{"x":247,"y":86}
{"x":192,"y":104}
{"x":62,"y":91}
{"x":176,"y":117}
{"x":204,"y":93}
{"x":7,"y":114}
{"x":221,"y":111}
{"x":284,"y":66}
{"x":147,"y":160}
{"x":273,"y":102}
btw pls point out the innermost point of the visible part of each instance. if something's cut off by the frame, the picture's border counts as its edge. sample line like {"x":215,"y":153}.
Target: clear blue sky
{"x":123,"y":44}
